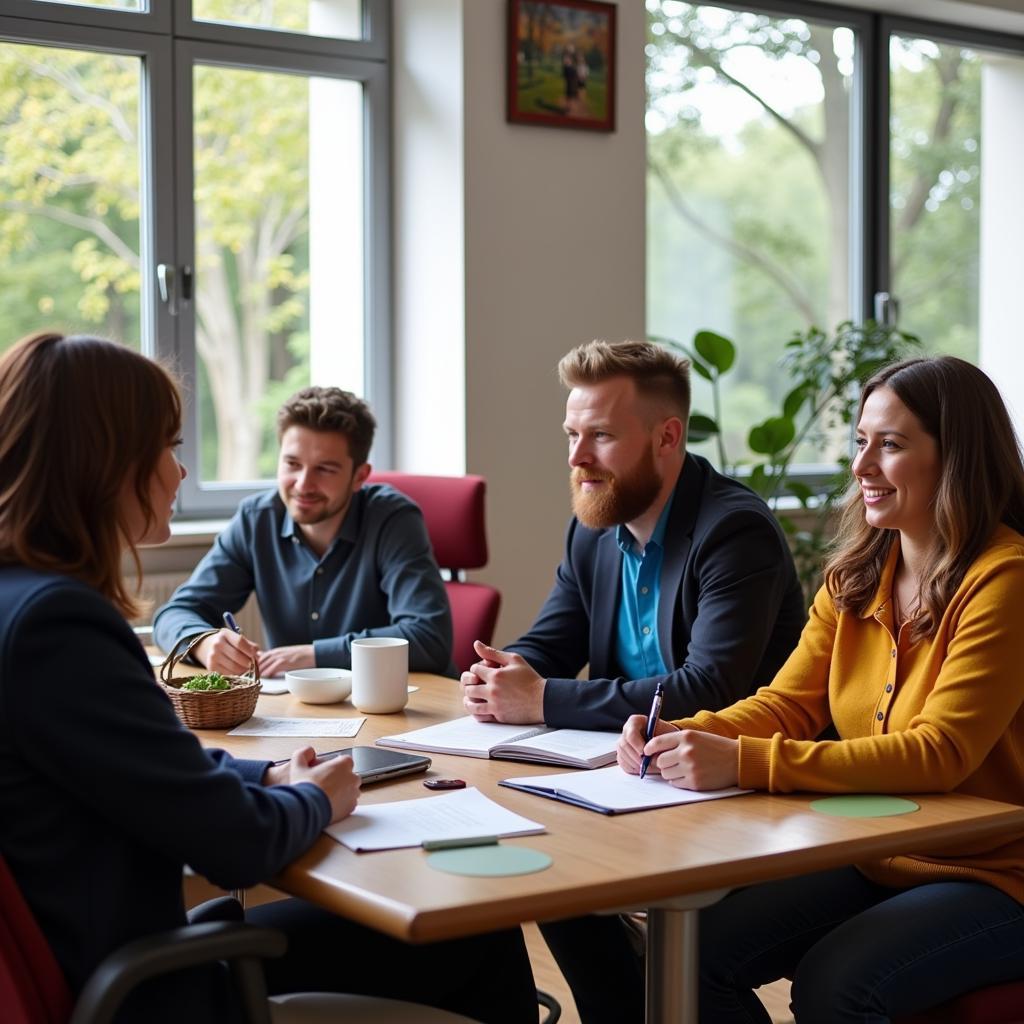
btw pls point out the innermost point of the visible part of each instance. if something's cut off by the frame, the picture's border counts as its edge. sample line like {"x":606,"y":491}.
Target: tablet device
{"x":374,"y":764}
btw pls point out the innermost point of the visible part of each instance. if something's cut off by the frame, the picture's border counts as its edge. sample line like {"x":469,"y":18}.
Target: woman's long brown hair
{"x":80,"y":418}
{"x":981,"y":485}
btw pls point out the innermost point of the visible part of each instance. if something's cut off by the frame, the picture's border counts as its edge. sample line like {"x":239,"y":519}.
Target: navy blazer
{"x":730,"y":610}
{"x":104,"y":795}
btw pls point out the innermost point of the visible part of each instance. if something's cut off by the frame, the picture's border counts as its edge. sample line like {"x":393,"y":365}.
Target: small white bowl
{"x":319,"y":685}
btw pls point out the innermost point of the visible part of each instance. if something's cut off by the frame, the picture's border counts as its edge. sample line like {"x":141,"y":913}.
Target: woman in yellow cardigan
{"x":914,"y":653}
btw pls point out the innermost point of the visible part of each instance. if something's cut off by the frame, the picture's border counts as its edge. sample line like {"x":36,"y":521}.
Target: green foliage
{"x":826,"y":372}
{"x":213,"y":681}
{"x":71,"y":233}
{"x":748,"y":191}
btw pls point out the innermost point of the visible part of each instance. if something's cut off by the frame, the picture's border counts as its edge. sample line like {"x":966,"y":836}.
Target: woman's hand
{"x":630,"y":748}
{"x":695,"y":760}
{"x":335,"y":776}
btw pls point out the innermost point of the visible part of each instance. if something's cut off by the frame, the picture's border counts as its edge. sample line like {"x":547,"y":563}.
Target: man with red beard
{"x":330,"y":557}
{"x":672,"y":574}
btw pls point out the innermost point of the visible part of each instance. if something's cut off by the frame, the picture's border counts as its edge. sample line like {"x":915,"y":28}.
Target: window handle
{"x":165,"y":281}
{"x":887,"y":309}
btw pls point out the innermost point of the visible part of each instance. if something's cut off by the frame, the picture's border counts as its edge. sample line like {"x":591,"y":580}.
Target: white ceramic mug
{"x":380,"y":674}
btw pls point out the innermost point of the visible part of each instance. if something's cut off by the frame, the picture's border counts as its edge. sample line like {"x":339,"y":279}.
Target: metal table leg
{"x":672,"y":958}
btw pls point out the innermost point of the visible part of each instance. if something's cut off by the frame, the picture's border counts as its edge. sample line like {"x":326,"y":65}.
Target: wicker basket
{"x":209,"y":709}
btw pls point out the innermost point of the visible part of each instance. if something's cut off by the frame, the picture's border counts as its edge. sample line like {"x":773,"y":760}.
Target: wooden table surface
{"x":600,"y":862}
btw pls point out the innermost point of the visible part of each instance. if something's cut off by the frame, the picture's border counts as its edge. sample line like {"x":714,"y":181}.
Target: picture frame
{"x":561,"y":64}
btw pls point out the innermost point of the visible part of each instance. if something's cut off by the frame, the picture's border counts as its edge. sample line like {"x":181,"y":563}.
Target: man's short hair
{"x":658,"y":373}
{"x":331,"y":409}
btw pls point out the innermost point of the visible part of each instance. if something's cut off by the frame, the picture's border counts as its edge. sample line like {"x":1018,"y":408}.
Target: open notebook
{"x":612,"y":791}
{"x":574,"y":748}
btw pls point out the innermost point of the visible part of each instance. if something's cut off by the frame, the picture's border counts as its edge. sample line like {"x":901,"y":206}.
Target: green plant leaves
{"x":701,"y":428}
{"x":714,"y":349}
{"x":771,"y":436}
{"x":795,"y":399}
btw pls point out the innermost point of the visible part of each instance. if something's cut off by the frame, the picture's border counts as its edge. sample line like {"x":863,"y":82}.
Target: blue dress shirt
{"x":378,"y":578}
{"x":636,"y":641}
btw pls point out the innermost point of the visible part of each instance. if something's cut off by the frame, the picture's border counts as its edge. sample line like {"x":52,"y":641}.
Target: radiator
{"x":157,"y":588}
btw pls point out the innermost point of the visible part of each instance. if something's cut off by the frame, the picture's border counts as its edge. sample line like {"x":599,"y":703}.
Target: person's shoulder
{"x":31,"y":584}
{"x":1005,"y":549}
{"x":263,"y":509}
{"x":727,"y":504}
{"x":28,"y":593}
{"x":383,"y":500}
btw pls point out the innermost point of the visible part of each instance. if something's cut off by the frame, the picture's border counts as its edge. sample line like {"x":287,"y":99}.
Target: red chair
{"x":33,"y":989}
{"x":997,"y":1004}
{"x":453,"y":508}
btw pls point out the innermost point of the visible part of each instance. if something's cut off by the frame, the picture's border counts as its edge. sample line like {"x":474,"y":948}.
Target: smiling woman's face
{"x":897,"y":466}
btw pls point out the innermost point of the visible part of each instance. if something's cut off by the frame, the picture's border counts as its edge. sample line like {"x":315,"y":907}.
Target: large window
{"x":808,"y":165}
{"x":207,"y":189}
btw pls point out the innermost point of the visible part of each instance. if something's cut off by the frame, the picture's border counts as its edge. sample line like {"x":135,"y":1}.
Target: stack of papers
{"x":460,"y":815}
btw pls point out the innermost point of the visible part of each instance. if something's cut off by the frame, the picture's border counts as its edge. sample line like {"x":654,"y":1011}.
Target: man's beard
{"x":319,"y":513}
{"x":622,"y":500}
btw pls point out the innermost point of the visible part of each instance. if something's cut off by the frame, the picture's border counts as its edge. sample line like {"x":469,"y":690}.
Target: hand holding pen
{"x":652,"y":722}
{"x":227,"y":651}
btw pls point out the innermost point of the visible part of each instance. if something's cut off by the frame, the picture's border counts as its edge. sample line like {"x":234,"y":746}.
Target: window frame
{"x":870,"y":140}
{"x":169,"y":41}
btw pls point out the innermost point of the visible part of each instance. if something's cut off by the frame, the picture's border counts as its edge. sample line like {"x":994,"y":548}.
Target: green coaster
{"x":489,"y":860}
{"x":864,"y":806}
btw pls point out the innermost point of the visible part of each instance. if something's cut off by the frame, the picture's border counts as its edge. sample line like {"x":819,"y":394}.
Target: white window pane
{"x":957,"y":208}
{"x":336,"y":19}
{"x":69,"y":191}
{"x":279,"y":243}
{"x":748,"y":129}
{"x":116,"y":5}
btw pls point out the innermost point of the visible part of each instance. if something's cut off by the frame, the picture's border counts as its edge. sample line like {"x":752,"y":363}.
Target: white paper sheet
{"x":262,"y":725}
{"x":459,"y":815}
{"x":273,"y":684}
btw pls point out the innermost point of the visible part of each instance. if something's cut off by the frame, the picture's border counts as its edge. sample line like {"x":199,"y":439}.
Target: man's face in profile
{"x":614,"y":476}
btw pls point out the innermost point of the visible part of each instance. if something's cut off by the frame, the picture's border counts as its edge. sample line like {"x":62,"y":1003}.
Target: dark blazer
{"x":104,"y":795}
{"x":730,"y":610}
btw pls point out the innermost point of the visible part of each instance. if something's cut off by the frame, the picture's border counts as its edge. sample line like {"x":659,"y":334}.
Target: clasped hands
{"x":686,"y":758}
{"x":502,"y":687}
{"x":231,"y":653}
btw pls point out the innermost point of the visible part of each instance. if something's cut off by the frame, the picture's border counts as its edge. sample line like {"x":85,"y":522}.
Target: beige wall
{"x":552,"y":254}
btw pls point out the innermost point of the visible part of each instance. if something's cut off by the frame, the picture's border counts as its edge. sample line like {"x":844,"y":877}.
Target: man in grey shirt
{"x":330,"y":557}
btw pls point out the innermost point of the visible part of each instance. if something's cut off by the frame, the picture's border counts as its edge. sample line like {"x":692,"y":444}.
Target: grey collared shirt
{"x":378,"y":578}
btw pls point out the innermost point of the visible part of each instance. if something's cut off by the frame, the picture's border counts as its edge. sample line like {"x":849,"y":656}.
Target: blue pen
{"x":229,"y":621}
{"x":652,"y":721}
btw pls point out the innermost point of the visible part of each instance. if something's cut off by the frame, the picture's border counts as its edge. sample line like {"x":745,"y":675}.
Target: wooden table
{"x":669,"y":861}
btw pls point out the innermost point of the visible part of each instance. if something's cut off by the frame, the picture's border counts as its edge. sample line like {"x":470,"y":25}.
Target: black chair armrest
{"x":242,"y":945}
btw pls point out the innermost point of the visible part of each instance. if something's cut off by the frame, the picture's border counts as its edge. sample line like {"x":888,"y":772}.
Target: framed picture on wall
{"x":561,"y":63}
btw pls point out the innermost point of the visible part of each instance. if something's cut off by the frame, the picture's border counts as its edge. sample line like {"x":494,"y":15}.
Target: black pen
{"x":652,"y":721}
{"x":229,"y":621}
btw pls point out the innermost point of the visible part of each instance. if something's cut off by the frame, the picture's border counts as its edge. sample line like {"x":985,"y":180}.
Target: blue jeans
{"x":856,"y":951}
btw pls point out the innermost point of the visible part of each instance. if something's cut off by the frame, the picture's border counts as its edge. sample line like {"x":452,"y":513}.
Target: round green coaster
{"x":489,"y":860}
{"x":864,"y":806}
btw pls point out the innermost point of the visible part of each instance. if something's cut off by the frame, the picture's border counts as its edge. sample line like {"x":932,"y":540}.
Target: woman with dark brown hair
{"x":104,"y":795}
{"x":913,"y":655}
